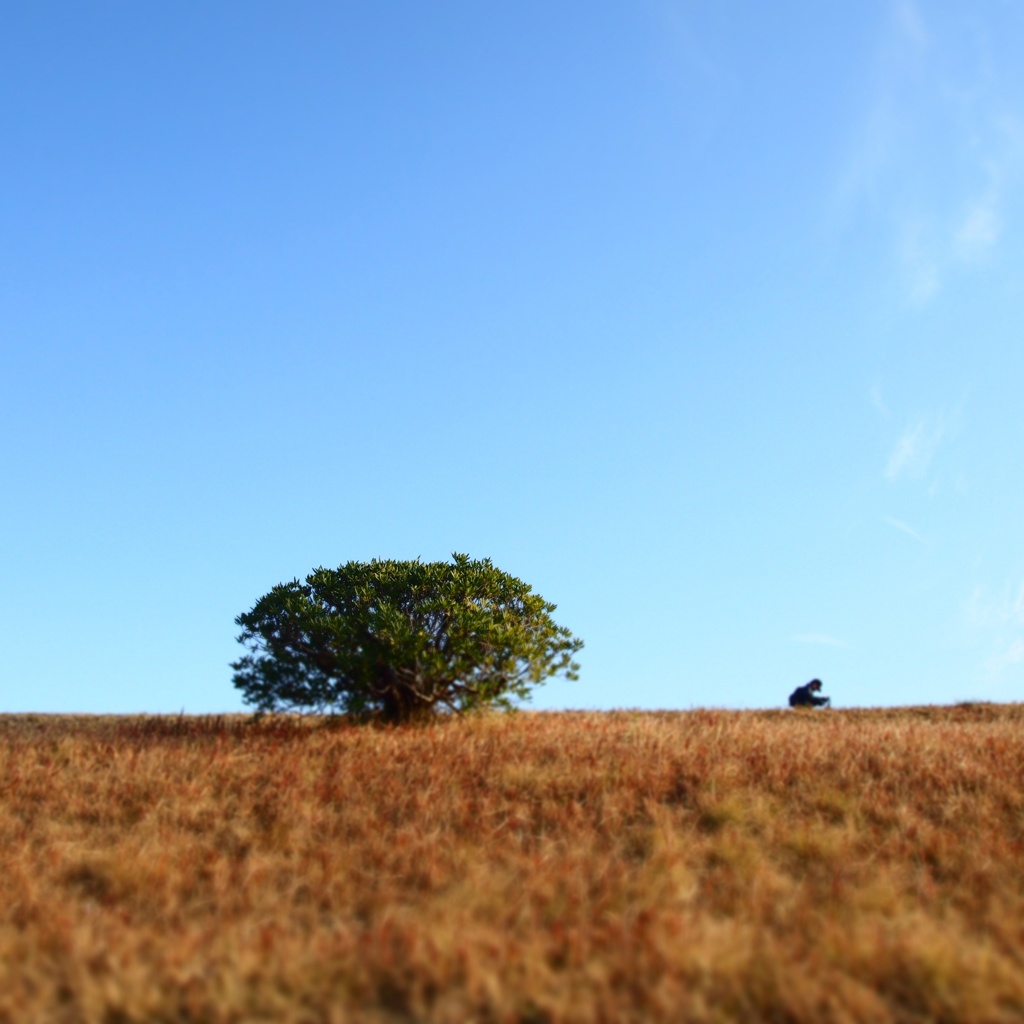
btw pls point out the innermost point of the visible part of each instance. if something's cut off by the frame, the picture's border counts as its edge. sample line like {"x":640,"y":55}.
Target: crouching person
{"x":804,"y":696}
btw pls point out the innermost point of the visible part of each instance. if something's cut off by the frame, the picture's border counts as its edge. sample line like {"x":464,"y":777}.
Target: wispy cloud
{"x":913,"y":454}
{"x":996,"y":616}
{"x":980,"y":229}
{"x":1001,"y":661}
{"x":938,"y":150}
{"x":988,"y":609}
{"x":914,"y":451}
{"x":878,"y":401}
{"x":906,"y":528}
{"x":821,"y":639}
{"x":911,"y":24}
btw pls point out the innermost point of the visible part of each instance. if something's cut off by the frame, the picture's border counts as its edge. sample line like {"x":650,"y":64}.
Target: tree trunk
{"x":399,"y":703}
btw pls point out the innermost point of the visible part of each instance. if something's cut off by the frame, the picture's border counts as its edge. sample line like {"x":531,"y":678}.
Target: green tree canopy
{"x":400,"y":639}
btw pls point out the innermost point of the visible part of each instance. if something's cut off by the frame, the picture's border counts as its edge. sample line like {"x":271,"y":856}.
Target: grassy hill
{"x":785,"y":866}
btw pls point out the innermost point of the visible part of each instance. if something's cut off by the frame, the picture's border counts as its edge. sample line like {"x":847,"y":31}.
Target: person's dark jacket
{"x":804,"y":696}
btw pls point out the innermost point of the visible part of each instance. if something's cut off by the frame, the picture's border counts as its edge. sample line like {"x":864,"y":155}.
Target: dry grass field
{"x":692,"y":866}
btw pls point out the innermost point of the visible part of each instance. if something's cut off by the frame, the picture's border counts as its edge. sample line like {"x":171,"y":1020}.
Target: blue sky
{"x":704,"y":319}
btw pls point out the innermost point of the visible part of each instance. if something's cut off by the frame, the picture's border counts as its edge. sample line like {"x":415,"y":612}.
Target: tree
{"x":400,"y":640}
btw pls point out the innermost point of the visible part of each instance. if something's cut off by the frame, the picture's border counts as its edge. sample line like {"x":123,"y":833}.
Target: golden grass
{"x":692,"y":866}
